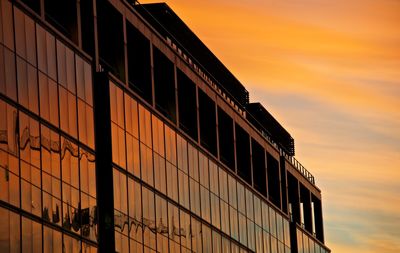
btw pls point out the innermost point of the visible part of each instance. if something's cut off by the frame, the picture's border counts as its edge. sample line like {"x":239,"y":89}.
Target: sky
{"x":329,"y":71}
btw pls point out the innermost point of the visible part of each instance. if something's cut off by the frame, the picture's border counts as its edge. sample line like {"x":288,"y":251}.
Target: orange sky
{"x":329,"y":71}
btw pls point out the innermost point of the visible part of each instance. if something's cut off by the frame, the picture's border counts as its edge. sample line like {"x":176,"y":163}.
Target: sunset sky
{"x":329,"y":71}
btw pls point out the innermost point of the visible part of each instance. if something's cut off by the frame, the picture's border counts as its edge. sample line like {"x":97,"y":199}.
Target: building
{"x":121,"y":132}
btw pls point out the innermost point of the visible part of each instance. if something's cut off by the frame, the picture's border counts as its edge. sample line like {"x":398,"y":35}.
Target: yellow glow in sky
{"x":329,"y":71}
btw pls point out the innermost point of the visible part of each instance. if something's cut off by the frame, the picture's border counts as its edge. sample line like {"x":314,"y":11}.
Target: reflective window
{"x":9,"y":231}
{"x":203,"y":170}
{"x":214,"y":178}
{"x":31,"y":236}
{"x":205,"y":203}
{"x":149,"y":237}
{"x":27,"y":85}
{"x":194,"y":196}
{"x":172,"y":181}
{"x":215,"y":209}
{"x":135,"y":210}
{"x":242,"y":229}
{"x":52,"y":241}
{"x":170,"y":145}
{"x":160,"y":179}
{"x":24,"y":32}
{"x":48,"y":94}
{"x":183,"y":189}
{"x":8,"y":82}
{"x":207,"y":243}
{"x":161,"y":224}
{"x":182,"y":153}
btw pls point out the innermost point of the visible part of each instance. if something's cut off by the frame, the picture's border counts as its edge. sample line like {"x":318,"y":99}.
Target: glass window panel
{"x":120,"y":191}
{"x":52,"y":241}
{"x":113,"y":103}
{"x":51,"y":209}
{"x":83,"y":135}
{"x":249,"y":204}
{"x":265,"y":216}
{"x":203,"y":170}
{"x":170,"y":145}
{"x":51,"y":101}
{"x":159,"y":173}
{"x":118,"y":145}
{"x":71,"y":245}
{"x":27,"y":85}
{"x":266,"y":242}
{"x":272,"y":221}
{"x":8,"y":123}
{"x":194,"y":196}
{"x":259,"y":239}
{"x":8,"y":83}
{"x":173,"y":222}
{"x":31,"y":236}
{"x":215,"y":215}
{"x":20,"y":36}
{"x":234,"y":248}
{"x":145,"y":126}
{"x":226,"y":245}
{"x":232,"y":191}
{"x":250,"y":235}
{"x":205,"y":204}
{"x":207,"y":243}
{"x":9,"y":182}
{"x":149,"y":220}
{"x":135,"y":209}
{"x":286,"y":232}
{"x":158,"y":135}
{"x":24,"y":32}
{"x":224,"y":217}
{"x":241,"y":198}
{"x":68,"y":118}
{"x":279,"y":226}
{"x":88,"y":83}
{"x":62,"y":64}
{"x":182,"y":154}
{"x":183,"y":189}
{"x":146,"y":160}
{"x":196,"y":236}
{"x":9,"y":231}
{"x":162,"y":220}
{"x":185,"y":230}
{"x":69,"y":162}
{"x":216,"y":242}
{"x":233,"y":218}
{"x":193,"y":162}
{"x":132,"y":153}
{"x":172,"y":182}
{"x":242,"y":229}
{"x":87,"y":172}
{"x":7,"y":23}
{"x":214,"y":178}
{"x":131,"y":116}
{"x":274,"y":244}
{"x":80,"y":78}
{"x":29,"y":140}
{"x":223,"y":184}
{"x":257,"y":211}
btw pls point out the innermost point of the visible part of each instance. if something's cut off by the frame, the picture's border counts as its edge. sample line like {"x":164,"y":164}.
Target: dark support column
{"x":293,"y":237}
{"x":104,"y":172}
{"x":283,"y":185}
{"x":294,"y":200}
{"x":318,"y":220}
{"x":305,"y":198}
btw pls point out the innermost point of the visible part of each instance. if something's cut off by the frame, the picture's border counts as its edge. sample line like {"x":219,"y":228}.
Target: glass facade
{"x":47,"y":160}
{"x":171,"y":185}
{"x":171,"y":197}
